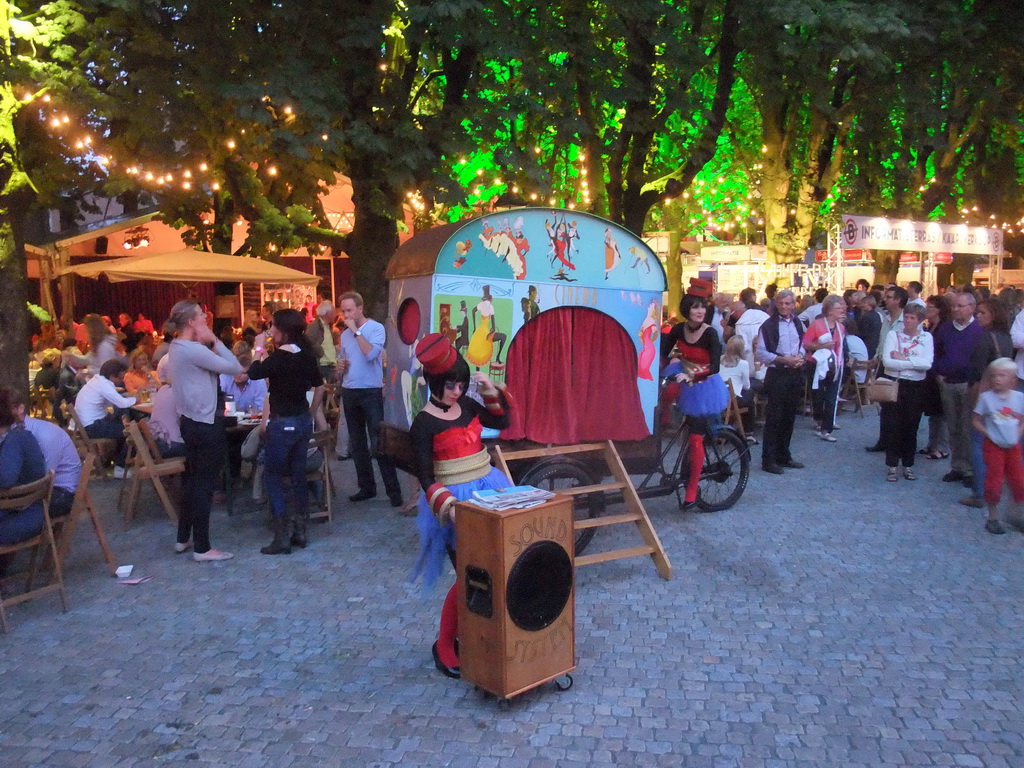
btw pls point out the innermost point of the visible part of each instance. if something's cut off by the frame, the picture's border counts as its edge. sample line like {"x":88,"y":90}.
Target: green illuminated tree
{"x":810,"y":66}
{"x":273,"y":101}
{"x":40,"y":60}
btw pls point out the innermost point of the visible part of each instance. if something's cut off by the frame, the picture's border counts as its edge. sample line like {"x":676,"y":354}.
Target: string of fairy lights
{"x":713,"y":203}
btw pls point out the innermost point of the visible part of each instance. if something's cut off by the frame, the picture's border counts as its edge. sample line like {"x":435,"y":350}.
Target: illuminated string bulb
{"x":231,"y":144}
{"x":536,"y":150}
{"x":287,"y":110}
{"x":187,"y":174}
{"x":215,"y":187}
{"x":55,"y":122}
{"x":186,"y":185}
{"x":272,"y":170}
{"x":533,"y":196}
{"x":324,"y":137}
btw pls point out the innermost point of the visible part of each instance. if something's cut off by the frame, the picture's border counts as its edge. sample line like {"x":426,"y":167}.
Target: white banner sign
{"x":732,"y":254}
{"x":928,"y":236}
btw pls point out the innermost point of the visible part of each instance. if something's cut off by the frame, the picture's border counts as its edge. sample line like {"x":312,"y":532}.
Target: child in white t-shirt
{"x":999,"y":415}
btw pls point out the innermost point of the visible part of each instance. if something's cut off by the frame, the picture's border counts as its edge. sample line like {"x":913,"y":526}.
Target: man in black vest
{"x":779,"y":347}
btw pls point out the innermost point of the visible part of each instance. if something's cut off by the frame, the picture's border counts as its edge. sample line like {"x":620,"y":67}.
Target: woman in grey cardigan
{"x":196,"y":359}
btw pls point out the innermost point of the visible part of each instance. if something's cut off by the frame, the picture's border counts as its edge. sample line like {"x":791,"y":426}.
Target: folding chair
{"x":147,"y":467}
{"x":871,"y":366}
{"x":83,"y":505}
{"x":734,"y":413}
{"x":332,"y":405}
{"x":102,"y":448}
{"x":324,"y":442}
{"x":17,"y":499}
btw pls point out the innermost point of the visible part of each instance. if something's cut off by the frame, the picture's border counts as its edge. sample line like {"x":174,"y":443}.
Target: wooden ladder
{"x":635,"y":509}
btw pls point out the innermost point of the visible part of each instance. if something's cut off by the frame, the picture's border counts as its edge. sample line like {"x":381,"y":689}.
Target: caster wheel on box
{"x":563,"y":683}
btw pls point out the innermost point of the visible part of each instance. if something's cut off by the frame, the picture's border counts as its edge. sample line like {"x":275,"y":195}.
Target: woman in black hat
{"x":452,"y":463}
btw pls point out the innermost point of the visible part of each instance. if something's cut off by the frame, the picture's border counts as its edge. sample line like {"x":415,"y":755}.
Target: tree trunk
{"x":374,"y":236}
{"x":887,"y":264}
{"x":673,"y":272}
{"x":16,"y":195}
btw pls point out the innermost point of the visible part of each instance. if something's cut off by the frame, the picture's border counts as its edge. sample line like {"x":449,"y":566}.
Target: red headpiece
{"x":700,"y":288}
{"x":436,"y":353}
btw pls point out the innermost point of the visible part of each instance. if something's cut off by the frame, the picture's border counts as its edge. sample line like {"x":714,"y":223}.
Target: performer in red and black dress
{"x":703,"y":395}
{"x":451,"y":463}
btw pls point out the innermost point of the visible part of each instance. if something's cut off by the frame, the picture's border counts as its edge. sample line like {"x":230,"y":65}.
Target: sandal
{"x":908,"y":474}
{"x":892,"y":476}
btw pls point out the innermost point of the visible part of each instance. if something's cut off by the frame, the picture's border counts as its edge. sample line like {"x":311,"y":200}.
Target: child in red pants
{"x":999,"y":415}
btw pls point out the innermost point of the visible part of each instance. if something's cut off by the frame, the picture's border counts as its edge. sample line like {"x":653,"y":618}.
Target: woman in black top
{"x":291,"y":371}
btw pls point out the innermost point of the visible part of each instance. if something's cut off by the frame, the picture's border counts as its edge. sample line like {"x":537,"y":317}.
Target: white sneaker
{"x":119,"y":472}
{"x":827,"y":437}
{"x":179,"y":547}
{"x":211,"y":555}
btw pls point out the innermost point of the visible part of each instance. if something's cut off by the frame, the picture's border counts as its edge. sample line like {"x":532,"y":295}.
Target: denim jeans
{"x":285,"y":456}
{"x":364,"y":411}
{"x":205,"y":450}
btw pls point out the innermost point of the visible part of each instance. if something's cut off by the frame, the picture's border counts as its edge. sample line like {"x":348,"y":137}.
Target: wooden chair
{"x":332,"y":405}
{"x":41,"y":545}
{"x":734,"y":412}
{"x":146,"y":466}
{"x":861,"y":390}
{"x":81,"y":506}
{"x":496,"y":371}
{"x":102,"y":448}
{"x":324,"y":442}
{"x":41,"y":402}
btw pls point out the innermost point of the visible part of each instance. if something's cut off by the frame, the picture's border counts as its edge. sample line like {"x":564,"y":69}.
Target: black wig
{"x":458,"y":372}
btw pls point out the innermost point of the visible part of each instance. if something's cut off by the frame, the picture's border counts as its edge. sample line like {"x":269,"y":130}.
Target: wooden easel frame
{"x":635,"y":508}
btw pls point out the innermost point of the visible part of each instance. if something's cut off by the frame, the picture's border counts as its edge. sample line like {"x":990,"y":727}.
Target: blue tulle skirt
{"x":436,"y":538}
{"x":705,"y":398}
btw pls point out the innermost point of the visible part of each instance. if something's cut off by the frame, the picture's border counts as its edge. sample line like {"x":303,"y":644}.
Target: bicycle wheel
{"x":557,"y":474}
{"x":726,"y":470}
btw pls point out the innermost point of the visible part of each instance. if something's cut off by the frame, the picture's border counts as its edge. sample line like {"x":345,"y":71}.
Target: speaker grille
{"x":538,"y":586}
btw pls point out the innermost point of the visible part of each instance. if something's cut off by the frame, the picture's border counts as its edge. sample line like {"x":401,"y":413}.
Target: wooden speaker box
{"x":517,"y":619}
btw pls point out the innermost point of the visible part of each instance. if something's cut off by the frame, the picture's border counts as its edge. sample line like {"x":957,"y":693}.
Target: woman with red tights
{"x":703,"y":395}
{"x":451,"y":463}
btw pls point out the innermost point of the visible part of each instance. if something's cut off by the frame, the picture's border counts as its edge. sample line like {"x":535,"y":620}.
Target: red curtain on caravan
{"x":572,"y":372}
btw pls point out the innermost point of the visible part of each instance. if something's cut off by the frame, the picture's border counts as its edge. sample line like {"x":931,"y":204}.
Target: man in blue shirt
{"x":59,"y":453}
{"x":247,"y":393}
{"x":362,"y":374}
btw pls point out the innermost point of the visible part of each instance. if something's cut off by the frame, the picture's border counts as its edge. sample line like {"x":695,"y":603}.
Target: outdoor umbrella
{"x":190,"y":266}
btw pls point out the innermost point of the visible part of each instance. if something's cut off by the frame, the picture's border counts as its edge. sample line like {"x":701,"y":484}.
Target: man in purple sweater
{"x":954,"y":343}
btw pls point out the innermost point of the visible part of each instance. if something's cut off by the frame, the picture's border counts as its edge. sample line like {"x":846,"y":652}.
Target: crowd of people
{"x":947,"y":357}
{"x":276,"y":366}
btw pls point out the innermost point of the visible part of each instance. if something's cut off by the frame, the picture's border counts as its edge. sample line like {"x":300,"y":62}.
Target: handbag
{"x":884,"y":390}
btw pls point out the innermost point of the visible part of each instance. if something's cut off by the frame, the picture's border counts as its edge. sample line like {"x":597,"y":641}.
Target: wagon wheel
{"x":558,"y":474}
{"x":726,"y":470}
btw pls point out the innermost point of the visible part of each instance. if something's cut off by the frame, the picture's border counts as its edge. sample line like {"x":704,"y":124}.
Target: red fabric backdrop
{"x":573,"y":374}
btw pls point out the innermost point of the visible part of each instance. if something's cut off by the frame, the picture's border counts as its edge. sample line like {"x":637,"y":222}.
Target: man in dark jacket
{"x":780,"y":348}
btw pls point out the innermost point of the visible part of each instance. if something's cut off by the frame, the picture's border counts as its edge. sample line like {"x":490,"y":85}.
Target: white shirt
{"x":747,"y":326}
{"x":811,"y":313}
{"x":1017,"y":334}
{"x":93,"y":399}
{"x":738,"y":374}
{"x":859,"y":352}
{"x":919,"y":349}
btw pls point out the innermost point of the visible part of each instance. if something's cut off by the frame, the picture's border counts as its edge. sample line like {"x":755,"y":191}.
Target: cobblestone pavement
{"x":829,"y":619}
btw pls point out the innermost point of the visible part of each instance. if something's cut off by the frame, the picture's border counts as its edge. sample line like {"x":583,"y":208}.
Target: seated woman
{"x":735,"y":368}
{"x":164,"y":421}
{"x":21,"y":462}
{"x":451,"y":463}
{"x":49,"y":370}
{"x":140,"y":374}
